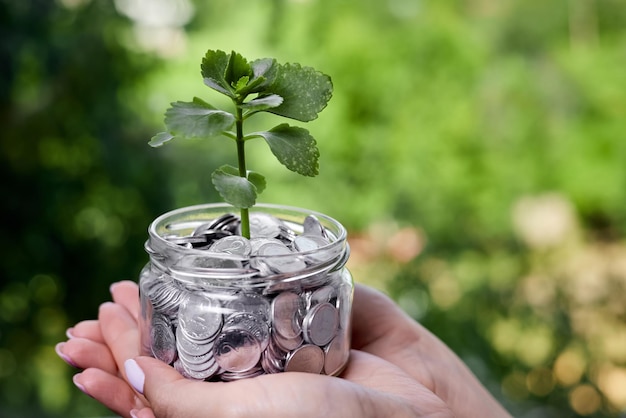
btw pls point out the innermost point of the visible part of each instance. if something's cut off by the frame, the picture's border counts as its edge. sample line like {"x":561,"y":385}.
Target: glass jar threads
{"x":218,"y":306}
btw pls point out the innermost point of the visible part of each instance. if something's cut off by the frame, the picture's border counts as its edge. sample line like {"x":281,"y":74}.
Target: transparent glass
{"x":239,"y":308}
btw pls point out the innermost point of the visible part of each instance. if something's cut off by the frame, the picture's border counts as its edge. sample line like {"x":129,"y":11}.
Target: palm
{"x":396,"y":368}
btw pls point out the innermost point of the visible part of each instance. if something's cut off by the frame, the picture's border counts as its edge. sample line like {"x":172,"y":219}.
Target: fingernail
{"x":135,"y":375}
{"x":64,"y":357}
{"x":133,"y":413}
{"x":79,"y":385}
{"x":68,"y":333}
{"x":113,"y":285}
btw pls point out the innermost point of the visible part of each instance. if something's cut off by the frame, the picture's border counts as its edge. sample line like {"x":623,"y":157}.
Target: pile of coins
{"x":240,"y":331}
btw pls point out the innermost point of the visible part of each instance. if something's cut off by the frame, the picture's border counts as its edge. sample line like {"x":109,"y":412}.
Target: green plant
{"x":263,"y":85}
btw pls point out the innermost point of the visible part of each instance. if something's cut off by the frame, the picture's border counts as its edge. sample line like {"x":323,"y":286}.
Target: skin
{"x":397,"y":368}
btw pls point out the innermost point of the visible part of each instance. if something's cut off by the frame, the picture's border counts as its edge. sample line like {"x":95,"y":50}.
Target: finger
{"x":86,"y":329}
{"x":377,"y":318}
{"x":126,"y":293}
{"x":143,"y":413}
{"x":110,"y":390}
{"x":83,"y":353}
{"x":381,"y":328}
{"x":375,"y":373}
{"x":284,"y":394}
{"x":120,"y":332}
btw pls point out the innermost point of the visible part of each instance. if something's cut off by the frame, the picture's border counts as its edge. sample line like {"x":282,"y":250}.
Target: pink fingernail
{"x":64,"y":357}
{"x":135,"y":375}
{"x":112,"y":286}
{"x":79,"y":385}
{"x":68,"y":333}
{"x":133,"y":413}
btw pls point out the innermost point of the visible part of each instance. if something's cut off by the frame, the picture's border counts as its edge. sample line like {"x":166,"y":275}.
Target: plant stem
{"x":241,"y":163}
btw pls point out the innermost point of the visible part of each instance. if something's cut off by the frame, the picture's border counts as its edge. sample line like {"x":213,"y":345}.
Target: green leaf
{"x":263,"y":103}
{"x":258,"y":180}
{"x":305,"y":91}
{"x":237,"y":69}
{"x":236,"y":190}
{"x":160,"y":138}
{"x":294,"y":147}
{"x":264,"y":73}
{"x":213,"y":69}
{"x":197,"y":119}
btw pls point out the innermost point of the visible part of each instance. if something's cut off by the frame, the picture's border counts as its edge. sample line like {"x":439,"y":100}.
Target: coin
{"x":322,"y":294}
{"x":308,"y":358}
{"x":336,"y":354}
{"x":263,"y":225}
{"x":252,"y":324}
{"x":250,"y":302}
{"x":237,"y":350}
{"x":189,"y":347}
{"x":199,"y":317}
{"x":285,"y":309}
{"x":287,"y":344}
{"x":320,"y":324}
{"x":279,"y":258}
{"x":162,"y":340}
{"x":312,"y":226}
{"x":233,"y":244}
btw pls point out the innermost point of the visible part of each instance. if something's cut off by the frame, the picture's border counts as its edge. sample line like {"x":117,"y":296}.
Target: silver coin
{"x":263,"y":225}
{"x":251,"y":323}
{"x":336,"y":355}
{"x":197,"y":362}
{"x":237,"y":350}
{"x":250,"y":302}
{"x":286,"y":308}
{"x":320,"y":324}
{"x":308,"y":358}
{"x":287,"y":344}
{"x":256,"y":243}
{"x":312,"y":226}
{"x":232,"y":376}
{"x":228,"y":222}
{"x":307,"y":242}
{"x":186,"y":240}
{"x":271,"y":364}
{"x":200,"y":374}
{"x":189,"y":347}
{"x":162,"y":340}
{"x":322,"y":295}
{"x":234,"y":244}
{"x":200,"y":317}
{"x":280,"y":259}
{"x":178,"y":366}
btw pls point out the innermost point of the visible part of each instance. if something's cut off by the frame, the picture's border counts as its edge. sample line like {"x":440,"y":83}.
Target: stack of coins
{"x":228,"y":334}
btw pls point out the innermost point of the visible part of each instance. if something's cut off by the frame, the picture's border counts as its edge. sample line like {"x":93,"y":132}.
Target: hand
{"x":397,"y":368}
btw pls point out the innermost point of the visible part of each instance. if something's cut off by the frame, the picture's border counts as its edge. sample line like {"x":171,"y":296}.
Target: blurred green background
{"x":474,"y":149}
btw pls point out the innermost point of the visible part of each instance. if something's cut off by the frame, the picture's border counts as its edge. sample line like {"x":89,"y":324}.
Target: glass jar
{"x":217,"y":306}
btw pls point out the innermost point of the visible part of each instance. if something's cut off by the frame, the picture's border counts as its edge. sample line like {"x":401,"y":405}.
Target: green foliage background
{"x":455,"y":119}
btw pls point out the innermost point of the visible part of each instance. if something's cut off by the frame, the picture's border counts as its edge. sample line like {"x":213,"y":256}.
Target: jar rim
{"x":158,"y":245}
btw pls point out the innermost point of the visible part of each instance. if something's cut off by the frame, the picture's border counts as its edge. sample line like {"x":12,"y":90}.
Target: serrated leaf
{"x":294,"y":147}
{"x":237,"y":69}
{"x":236,"y":190}
{"x":305,"y":91}
{"x":197,"y":119}
{"x":263,"y":103}
{"x":213,"y":69}
{"x":265,"y":70}
{"x":160,"y":138}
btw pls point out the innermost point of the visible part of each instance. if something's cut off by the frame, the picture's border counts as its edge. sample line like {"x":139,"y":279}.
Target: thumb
{"x":167,"y":391}
{"x":146,"y":373}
